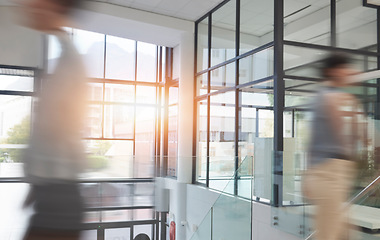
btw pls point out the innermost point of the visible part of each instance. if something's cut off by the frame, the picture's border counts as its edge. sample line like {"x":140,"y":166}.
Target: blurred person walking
{"x":334,"y":140}
{"x":55,"y":154}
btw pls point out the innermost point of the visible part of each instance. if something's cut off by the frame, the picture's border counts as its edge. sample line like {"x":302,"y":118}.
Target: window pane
{"x":173,"y":141}
{"x":202,"y":141}
{"x":143,"y":214}
{"x":247,"y":132}
{"x":145,"y":147}
{"x":173,"y":95}
{"x":117,"y":216}
{"x":257,"y":66}
{"x":142,"y":229}
{"x":222,"y":137}
{"x":93,"y":121}
{"x":256,"y":23}
{"x":15,"y":117}
{"x":307,"y":21}
{"x":202,"y":84}
{"x":146,"y":62}
{"x":16,"y":83}
{"x":120,"y":58}
{"x":119,"y":121}
{"x":202,"y":45}
{"x":118,"y":233}
{"x":223,"y":77}
{"x":223,"y":33}
{"x":109,"y":159}
{"x":95,"y":91}
{"x":146,"y":94}
{"x":120,"y":93}
{"x":91,"y":46}
{"x":356,"y":25}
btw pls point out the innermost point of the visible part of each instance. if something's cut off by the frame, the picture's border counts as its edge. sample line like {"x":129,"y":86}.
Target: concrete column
{"x":185,"y":108}
{"x":185,"y":130}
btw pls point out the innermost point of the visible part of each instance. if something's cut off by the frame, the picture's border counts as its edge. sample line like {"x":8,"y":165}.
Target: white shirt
{"x":55,"y":151}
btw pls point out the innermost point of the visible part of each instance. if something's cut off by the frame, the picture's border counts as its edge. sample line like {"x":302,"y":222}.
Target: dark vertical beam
{"x":333,"y":37}
{"x":293,"y":123}
{"x":163,"y":226}
{"x":134,"y":108}
{"x":208,"y":100}
{"x":279,"y":98}
{"x":159,"y":120}
{"x":257,"y":123}
{"x":377,"y":104}
{"x":104,"y":85}
{"x":168,"y":78}
{"x":195,"y":113}
{"x":237,"y":100}
{"x":100,"y":233}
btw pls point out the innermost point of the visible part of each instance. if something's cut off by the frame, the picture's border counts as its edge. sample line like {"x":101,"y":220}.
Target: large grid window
{"x":256,"y":74}
{"x":126,"y":80}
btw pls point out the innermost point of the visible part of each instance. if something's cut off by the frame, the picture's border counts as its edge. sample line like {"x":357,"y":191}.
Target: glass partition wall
{"x":256,"y":73}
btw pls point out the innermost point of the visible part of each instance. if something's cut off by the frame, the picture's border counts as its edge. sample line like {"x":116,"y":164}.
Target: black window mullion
{"x":237,"y":97}
{"x":333,"y":37}
{"x":208,"y":100}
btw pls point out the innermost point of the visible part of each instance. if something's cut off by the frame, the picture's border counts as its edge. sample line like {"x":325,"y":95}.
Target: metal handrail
{"x":357,"y":196}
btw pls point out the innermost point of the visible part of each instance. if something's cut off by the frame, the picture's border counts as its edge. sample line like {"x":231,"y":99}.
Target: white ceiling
{"x":184,"y":9}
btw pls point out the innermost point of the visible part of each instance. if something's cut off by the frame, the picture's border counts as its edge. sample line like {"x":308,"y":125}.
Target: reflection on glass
{"x":120,"y":93}
{"x":247,"y":132}
{"x":356,"y":25}
{"x":302,"y":62}
{"x":109,"y":159}
{"x":257,"y":66}
{"x":202,"y":141}
{"x":297,"y":18}
{"x":91,"y":46}
{"x":119,"y":121}
{"x":223,"y":33}
{"x":222,"y":136}
{"x":256,"y":23}
{"x":202,"y":45}
{"x":120,"y":58}
{"x":173,"y":140}
{"x":146,"y":62}
{"x":223,"y":77}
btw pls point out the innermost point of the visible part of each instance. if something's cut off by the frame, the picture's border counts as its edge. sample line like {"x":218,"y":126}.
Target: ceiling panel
{"x":190,"y":10}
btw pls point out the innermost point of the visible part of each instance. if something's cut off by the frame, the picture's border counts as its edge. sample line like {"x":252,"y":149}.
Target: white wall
{"x":18,"y":45}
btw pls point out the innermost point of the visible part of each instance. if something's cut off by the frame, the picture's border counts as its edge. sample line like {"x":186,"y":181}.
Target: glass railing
{"x":230,"y":217}
{"x":296,"y":214}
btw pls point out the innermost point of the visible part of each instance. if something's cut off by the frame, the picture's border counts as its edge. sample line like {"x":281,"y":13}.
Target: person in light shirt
{"x":55,"y":155}
{"x":335,"y":137}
